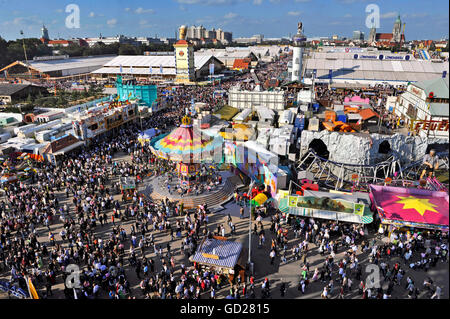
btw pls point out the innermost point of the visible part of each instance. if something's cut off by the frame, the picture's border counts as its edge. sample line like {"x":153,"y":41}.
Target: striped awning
{"x":220,"y":253}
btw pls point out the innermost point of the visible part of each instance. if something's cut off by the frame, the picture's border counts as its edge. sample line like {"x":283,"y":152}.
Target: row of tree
{"x":11,"y":51}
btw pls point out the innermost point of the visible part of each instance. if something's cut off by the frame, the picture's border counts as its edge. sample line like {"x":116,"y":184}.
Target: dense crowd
{"x":88,"y":181}
{"x":343,"y":277}
{"x":69,"y":215}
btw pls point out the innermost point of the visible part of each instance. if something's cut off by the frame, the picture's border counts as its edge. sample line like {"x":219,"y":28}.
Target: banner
{"x":326,"y":204}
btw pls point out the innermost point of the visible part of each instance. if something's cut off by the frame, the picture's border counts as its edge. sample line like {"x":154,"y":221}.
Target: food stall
{"x":223,"y":256}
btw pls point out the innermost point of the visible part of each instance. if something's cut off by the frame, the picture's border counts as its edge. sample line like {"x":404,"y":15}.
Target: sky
{"x":244,"y":18}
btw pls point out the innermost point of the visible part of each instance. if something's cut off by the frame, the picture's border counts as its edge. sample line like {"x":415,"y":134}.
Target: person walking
{"x":272,"y":256}
{"x":282,"y":288}
{"x":437,"y":293}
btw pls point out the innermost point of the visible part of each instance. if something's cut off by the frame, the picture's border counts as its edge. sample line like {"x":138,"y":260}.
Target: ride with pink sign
{"x":411,"y":207}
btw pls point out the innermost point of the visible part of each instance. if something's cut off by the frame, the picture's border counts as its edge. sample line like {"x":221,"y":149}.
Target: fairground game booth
{"x":411,"y":207}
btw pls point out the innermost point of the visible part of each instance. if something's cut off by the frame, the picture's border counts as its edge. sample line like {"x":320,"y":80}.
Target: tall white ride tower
{"x":297,"y":59}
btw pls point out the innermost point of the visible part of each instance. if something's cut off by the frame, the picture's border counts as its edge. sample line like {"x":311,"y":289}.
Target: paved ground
{"x":289,"y":272}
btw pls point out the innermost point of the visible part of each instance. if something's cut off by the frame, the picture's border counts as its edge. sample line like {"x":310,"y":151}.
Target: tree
{"x":85,"y":93}
{"x":446,"y":49}
{"x":432,"y":47}
{"x":127,"y":49}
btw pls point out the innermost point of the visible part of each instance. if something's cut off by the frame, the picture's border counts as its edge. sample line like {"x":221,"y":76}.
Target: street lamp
{"x":250,"y":229}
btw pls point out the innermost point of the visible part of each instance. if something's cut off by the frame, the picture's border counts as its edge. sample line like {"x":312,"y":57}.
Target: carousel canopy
{"x":185,"y":143}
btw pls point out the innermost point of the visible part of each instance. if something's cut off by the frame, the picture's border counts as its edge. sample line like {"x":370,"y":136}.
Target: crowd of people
{"x":69,"y":215}
{"x":41,"y":237}
{"x":342,"y":277}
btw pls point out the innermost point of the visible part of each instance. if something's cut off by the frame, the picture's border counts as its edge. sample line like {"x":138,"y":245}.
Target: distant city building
{"x":358,"y":36}
{"x":110,"y":40}
{"x":256,"y":39}
{"x":199,"y":35}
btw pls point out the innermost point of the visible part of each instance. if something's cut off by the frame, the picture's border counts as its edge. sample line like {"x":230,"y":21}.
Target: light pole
{"x":250,"y":229}
{"x":25,"y":52}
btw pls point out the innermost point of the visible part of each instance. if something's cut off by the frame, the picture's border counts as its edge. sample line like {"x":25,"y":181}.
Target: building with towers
{"x":388,"y":39}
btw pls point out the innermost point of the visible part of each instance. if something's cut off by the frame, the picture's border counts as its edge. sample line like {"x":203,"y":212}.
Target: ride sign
{"x":431,"y":125}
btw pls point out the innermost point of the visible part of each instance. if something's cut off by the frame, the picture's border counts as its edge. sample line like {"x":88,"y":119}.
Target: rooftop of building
{"x":439,"y":86}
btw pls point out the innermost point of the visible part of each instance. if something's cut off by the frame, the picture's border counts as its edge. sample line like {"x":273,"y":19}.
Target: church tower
{"x":397,"y":30}
{"x":44,"y":35}
{"x":372,"y":35}
{"x":184,"y":58}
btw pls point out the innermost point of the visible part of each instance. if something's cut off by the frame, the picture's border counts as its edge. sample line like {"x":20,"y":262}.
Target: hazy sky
{"x":272,"y":18}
